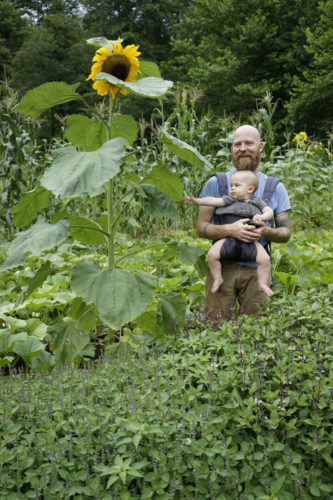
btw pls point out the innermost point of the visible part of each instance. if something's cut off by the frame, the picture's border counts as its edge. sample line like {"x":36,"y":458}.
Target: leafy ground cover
{"x":242,"y":410}
{"x":44,"y":323}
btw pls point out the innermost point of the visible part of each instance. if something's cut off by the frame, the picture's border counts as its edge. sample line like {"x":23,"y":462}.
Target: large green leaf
{"x":148,"y":68}
{"x":29,"y":205}
{"x":41,"y":98}
{"x":171,"y":311}
{"x":75,"y":174}
{"x":184,"y":151}
{"x":39,"y":237}
{"x":157,"y":203}
{"x":29,"y":348}
{"x":84,"y":234}
{"x":148,"y":87}
{"x":166,"y":181}
{"x":86,"y":133}
{"x":67,"y":340}
{"x":35,"y":282}
{"x":99,"y":41}
{"x":189,"y":254}
{"x":125,"y":126}
{"x":119,"y":296}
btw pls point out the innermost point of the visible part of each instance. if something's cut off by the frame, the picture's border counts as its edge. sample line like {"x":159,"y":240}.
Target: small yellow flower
{"x":301,"y":137}
{"x":330,"y":156}
{"x":121,"y":62}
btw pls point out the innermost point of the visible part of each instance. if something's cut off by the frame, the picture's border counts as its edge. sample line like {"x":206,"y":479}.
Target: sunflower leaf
{"x":125,"y":126}
{"x":47,"y":95}
{"x":119,"y":296}
{"x":29,"y":205}
{"x":157,"y":203}
{"x":100,"y":41}
{"x":85,"y":133}
{"x":148,"y":87}
{"x":148,"y":68}
{"x":39,"y":237}
{"x":184,"y":151}
{"x":166,"y":181}
{"x":74,"y":174}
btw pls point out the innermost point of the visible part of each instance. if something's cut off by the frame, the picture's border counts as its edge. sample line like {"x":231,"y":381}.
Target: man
{"x":240,"y":278}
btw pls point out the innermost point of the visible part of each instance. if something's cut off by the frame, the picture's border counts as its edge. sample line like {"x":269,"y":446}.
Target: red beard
{"x":246,"y":162}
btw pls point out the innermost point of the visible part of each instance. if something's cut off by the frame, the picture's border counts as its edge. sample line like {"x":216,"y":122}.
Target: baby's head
{"x":243,"y":184}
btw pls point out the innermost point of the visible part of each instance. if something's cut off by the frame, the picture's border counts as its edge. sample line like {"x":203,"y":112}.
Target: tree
{"x":311,"y":104}
{"x":54,"y":51}
{"x":146,"y":23}
{"x":238,"y":50}
{"x":12,"y":29}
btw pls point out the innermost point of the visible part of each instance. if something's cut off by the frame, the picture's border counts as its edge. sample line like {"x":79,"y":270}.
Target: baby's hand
{"x":190,"y":200}
{"x":256,"y":219}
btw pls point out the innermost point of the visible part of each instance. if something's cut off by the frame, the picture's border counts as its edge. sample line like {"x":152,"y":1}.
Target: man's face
{"x":246,"y":149}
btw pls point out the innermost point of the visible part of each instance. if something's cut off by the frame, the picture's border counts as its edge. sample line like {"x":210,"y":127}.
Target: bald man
{"x":240,"y":284}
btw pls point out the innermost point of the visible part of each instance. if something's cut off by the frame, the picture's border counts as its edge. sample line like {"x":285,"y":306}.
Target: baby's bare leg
{"x":214,"y":255}
{"x":264,"y":270}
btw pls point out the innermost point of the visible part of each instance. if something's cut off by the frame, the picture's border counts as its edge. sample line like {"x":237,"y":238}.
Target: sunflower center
{"x":118,"y":66}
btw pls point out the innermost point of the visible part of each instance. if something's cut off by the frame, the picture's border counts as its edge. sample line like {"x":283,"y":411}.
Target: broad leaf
{"x":84,"y":315}
{"x":39,"y":237}
{"x":36,"y":328}
{"x":29,"y":205}
{"x":148,"y":87}
{"x":171,"y":311}
{"x":67,"y":341}
{"x":84,"y":234}
{"x":157,"y":203}
{"x":119,"y":296}
{"x":148,"y":68}
{"x":166,"y":181}
{"x":184,"y":151}
{"x":29,"y":348}
{"x":35,"y":282}
{"x":189,"y":254}
{"x":86,"y":133}
{"x":41,"y":98}
{"x":125,"y":126}
{"x":99,"y":41}
{"x":75,"y":174}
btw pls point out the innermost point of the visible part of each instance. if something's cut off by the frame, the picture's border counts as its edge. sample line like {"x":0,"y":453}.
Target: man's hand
{"x":243,"y":231}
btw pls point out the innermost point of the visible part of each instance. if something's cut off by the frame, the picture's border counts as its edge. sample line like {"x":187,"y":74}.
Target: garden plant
{"x":113,"y":384}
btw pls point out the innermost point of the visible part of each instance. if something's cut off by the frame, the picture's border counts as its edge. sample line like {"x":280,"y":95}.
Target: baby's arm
{"x":267,"y":214}
{"x":209,"y":201}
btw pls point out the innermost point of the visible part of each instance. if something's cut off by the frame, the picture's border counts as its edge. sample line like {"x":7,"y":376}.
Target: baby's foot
{"x":216,"y":285}
{"x":264,"y":288}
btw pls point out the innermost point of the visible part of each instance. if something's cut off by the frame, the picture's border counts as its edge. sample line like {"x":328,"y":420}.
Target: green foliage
{"x":310,"y":105}
{"x":239,"y":411}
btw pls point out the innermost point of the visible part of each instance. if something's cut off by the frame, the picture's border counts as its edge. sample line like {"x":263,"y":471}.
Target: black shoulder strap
{"x":222,"y":183}
{"x":270,"y":186}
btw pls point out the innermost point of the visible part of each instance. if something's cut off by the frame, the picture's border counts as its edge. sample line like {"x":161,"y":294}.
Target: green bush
{"x":240,"y":411}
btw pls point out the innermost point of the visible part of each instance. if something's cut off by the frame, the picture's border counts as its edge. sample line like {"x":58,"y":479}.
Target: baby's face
{"x":239,"y":189}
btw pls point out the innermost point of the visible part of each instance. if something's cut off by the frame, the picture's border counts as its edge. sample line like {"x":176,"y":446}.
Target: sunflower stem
{"x":109,"y":194}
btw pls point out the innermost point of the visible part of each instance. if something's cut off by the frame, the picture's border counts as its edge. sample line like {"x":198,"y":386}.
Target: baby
{"x":241,"y":205}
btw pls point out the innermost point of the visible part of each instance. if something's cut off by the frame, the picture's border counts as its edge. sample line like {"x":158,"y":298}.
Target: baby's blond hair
{"x":247,"y":176}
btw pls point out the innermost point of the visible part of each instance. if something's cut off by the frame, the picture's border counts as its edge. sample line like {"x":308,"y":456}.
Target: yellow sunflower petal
{"x":125,"y":63}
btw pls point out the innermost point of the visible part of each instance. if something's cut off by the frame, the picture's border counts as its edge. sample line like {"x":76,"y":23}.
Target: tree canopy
{"x":235,"y":51}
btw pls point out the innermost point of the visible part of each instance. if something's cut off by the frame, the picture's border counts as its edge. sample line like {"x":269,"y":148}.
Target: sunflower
{"x":301,"y":137}
{"x":121,"y":62}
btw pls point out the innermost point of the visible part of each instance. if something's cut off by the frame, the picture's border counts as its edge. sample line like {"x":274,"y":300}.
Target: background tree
{"x":12,"y":29}
{"x":311,"y":104}
{"x":238,"y":50}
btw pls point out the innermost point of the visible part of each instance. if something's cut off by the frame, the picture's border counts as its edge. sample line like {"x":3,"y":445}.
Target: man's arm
{"x":239,"y":229}
{"x":281,"y":232}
